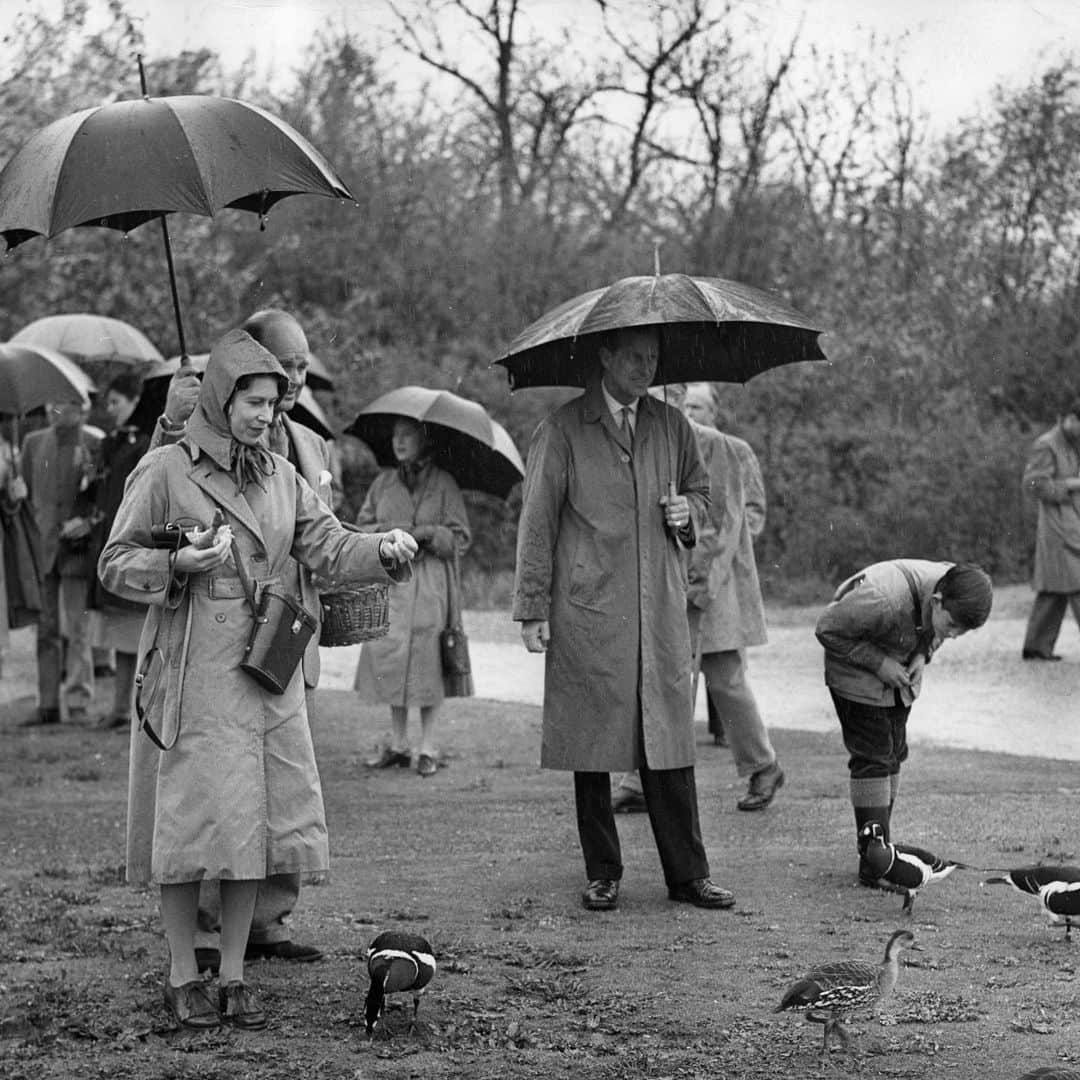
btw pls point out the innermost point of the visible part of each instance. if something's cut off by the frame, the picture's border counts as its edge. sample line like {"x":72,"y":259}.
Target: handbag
{"x":283,"y":627}
{"x":454,"y":643}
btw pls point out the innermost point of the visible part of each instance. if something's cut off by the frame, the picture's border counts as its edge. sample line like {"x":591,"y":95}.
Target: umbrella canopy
{"x":308,"y":411}
{"x":467,"y":443}
{"x":86,"y":336}
{"x":122,"y":164}
{"x":32,"y":375}
{"x":710,"y":329}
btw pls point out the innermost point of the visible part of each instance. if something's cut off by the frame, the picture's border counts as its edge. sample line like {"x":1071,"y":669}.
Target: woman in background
{"x":116,"y":623}
{"x":404,"y":668}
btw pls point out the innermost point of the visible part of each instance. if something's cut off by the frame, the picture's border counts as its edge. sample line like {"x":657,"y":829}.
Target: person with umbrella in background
{"x":615,"y":493}
{"x":116,"y":623}
{"x":58,"y":465}
{"x":404,"y":668}
{"x":282,"y":335}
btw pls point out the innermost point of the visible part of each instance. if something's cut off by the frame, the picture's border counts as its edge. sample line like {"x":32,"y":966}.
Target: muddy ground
{"x":483,"y":859}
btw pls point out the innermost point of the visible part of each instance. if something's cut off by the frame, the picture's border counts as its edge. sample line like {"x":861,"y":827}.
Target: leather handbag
{"x":454,"y":643}
{"x":283,"y":627}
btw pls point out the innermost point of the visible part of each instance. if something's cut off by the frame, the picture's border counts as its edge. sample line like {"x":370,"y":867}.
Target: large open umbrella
{"x":710,"y":329}
{"x":122,"y":164}
{"x":32,"y":375}
{"x":476,"y":450}
{"x":87,"y":336}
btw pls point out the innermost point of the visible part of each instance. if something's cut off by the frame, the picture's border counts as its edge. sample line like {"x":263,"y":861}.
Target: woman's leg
{"x":429,"y":714}
{"x":399,"y":718}
{"x":237,"y":907}
{"x":179,"y":908}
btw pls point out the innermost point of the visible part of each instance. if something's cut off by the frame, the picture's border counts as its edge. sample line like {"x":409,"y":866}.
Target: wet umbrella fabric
{"x":122,"y":164}
{"x":476,"y":450}
{"x":711,"y":329}
{"x":32,"y":375}
{"x":88,"y":336}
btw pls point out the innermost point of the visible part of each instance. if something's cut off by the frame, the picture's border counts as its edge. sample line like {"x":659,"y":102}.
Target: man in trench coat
{"x":614,"y":491}
{"x":281,"y":334}
{"x":1052,"y":475}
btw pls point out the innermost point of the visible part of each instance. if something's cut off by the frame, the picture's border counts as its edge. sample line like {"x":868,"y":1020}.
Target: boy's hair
{"x":966,"y":594}
{"x":127,"y":384}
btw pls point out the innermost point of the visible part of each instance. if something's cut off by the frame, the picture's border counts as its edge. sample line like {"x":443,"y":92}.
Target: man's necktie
{"x":627,"y":425}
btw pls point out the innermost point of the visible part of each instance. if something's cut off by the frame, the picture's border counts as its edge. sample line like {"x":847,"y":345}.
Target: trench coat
{"x":1052,"y":460}
{"x":238,"y":796}
{"x":310,"y":453}
{"x":404,"y":668}
{"x":733,"y":615}
{"x":871,"y":617}
{"x":595,"y":559}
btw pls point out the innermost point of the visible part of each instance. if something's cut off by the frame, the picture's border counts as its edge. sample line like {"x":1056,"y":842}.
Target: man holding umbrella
{"x":613,"y":493}
{"x":280,"y":333}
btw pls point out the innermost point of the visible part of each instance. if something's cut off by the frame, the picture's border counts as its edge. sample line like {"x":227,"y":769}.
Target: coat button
{"x":624,"y":458}
{"x":219,"y":617}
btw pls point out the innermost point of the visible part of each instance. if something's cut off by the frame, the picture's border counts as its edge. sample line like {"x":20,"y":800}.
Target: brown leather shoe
{"x":191,"y":1005}
{"x":764,"y":785}
{"x":389,"y":758}
{"x":702,"y":892}
{"x":426,"y":765}
{"x":240,"y":1008}
{"x":601,"y":894}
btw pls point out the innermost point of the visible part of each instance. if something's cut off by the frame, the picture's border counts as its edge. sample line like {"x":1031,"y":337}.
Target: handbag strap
{"x":921,"y":645}
{"x":140,"y":677}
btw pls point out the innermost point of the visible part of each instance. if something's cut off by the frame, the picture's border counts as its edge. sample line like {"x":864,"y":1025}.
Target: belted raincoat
{"x":238,"y":796}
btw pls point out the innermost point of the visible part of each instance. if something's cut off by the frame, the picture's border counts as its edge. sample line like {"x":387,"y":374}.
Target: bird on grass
{"x":1056,"y":887}
{"x":397,"y":962}
{"x":901,"y":867}
{"x":829,"y":992}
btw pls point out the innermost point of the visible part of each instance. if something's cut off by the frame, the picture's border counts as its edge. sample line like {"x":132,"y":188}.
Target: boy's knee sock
{"x":870,"y":799}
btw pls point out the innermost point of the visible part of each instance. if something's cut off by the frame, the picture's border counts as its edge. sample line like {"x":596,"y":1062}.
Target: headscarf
{"x":233,"y":356}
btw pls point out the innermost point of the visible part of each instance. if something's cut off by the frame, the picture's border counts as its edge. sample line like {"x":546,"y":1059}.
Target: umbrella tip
{"x":656,"y":244}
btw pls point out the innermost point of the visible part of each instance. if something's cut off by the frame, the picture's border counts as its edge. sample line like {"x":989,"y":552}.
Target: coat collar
{"x":221,"y":487}
{"x":596,"y":410}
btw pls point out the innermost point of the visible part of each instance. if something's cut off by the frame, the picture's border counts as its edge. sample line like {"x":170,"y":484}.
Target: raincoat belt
{"x":227,"y":588}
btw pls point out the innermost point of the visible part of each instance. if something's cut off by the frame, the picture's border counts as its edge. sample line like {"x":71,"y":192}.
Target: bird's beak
{"x":916,"y":947}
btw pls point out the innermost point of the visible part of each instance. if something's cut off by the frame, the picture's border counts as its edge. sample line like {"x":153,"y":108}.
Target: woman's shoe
{"x":191,"y":1005}
{"x":240,"y":1008}
{"x":426,"y":765}
{"x":389,"y":758}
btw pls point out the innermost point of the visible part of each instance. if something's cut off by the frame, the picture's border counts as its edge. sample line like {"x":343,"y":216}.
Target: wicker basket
{"x":352,"y":615}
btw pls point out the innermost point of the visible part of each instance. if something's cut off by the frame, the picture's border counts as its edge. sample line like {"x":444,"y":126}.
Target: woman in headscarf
{"x":404,"y":668}
{"x":237,"y":796}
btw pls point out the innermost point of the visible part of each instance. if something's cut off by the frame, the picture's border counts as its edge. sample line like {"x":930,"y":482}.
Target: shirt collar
{"x":616,"y":407}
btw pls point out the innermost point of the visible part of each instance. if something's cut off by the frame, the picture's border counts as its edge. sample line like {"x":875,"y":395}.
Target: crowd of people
{"x":635,"y":576}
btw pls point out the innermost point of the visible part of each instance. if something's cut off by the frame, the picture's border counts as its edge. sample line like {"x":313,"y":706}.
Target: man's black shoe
{"x":601,"y":894}
{"x":1031,"y":654}
{"x":702,"y":892}
{"x":282,"y":950}
{"x":40,"y":717}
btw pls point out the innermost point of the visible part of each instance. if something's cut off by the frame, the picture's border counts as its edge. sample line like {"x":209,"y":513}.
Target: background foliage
{"x":532,"y":166}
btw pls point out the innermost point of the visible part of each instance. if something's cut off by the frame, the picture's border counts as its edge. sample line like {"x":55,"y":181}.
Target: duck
{"x":830,"y":991}
{"x":1056,"y":887}
{"x":397,"y":962}
{"x":902,"y":867}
